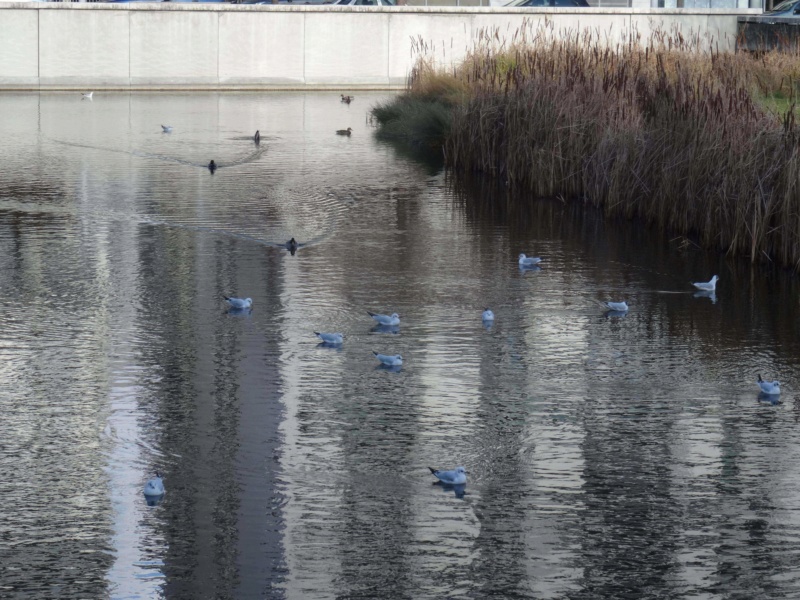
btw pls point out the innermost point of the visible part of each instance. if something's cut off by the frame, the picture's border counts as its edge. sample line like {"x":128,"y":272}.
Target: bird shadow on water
{"x":768,"y":399}
{"x":526,"y":269}
{"x":615,"y":314}
{"x":710,"y":294}
{"x":459,"y":490}
{"x":154,"y":500}
{"x":385,"y":328}
{"x":330,"y":346}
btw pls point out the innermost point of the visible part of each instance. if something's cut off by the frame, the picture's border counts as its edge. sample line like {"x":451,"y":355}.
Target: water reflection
{"x":385,"y":328}
{"x":528,"y":269}
{"x":608,"y":457}
{"x":620,"y":314}
{"x":711,"y":295}
{"x":458,"y":490}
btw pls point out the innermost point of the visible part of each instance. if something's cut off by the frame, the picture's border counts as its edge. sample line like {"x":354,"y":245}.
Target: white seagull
{"x":239,"y":302}
{"x":394,"y":319}
{"x":330,"y":338}
{"x":87,"y":96}
{"x":528,"y":261}
{"x":617,"y":306}
{"x":771,"y":388}
{"x":154,"y":487}
{"x":707,"y":286}
{"x":389,"y":360}
{"x":166,"y":128}
{"x":487,"y":315}
{"x":457,"y":476}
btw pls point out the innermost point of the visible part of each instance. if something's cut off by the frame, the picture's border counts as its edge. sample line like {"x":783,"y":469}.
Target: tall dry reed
{"x":672,"y":131}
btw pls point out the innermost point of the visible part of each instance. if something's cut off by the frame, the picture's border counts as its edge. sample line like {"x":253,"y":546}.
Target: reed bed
{"x":671,"y":131}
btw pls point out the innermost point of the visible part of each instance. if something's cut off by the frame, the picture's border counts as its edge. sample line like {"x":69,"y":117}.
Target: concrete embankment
{"x":52,"y":46}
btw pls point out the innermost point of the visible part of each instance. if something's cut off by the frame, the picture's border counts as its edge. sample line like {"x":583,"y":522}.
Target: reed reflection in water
{"x":608,"y":456}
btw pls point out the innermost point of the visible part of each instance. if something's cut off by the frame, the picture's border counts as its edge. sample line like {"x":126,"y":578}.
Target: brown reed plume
{"x":671,"y":130}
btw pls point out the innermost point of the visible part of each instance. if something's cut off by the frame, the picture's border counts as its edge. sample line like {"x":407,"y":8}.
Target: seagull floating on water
{"x":769,"y":387}
{"x":457,"y":476}
{"x":617,"y":306}
{"x":528,"y":261}
{"x":487,"y":315}
{"x":166,"y":128}
{"x":330,"y":338}
{"x":239,"y":303}
{"x":389,"y":360}
{"x":707,"y":286}
{"x":87,"y":96}
{"x":154,"y":487}
{"x":387,"y":320}
{"x":347,"y":131}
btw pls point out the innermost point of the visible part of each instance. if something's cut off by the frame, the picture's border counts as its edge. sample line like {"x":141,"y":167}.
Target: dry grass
{"x":671,"y":131}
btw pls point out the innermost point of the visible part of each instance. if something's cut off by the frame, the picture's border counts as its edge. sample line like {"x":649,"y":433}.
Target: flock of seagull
{"x":456,"y":478}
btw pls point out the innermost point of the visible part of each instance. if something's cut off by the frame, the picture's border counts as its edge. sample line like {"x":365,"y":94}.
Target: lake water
{"x":608,"y":456}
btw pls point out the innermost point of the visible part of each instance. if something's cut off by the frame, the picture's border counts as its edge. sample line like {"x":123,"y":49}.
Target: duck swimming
{"x":347,"y":131}
{"x":292,"y":245}
{"x":212,"y":166}
{"x":347,"y":99}
{"x":257,"y":138}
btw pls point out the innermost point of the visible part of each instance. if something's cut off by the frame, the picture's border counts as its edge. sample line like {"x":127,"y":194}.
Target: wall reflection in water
{"x":608,"y":457}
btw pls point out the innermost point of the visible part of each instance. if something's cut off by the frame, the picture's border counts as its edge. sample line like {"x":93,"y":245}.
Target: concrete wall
{"x":212,"y":46}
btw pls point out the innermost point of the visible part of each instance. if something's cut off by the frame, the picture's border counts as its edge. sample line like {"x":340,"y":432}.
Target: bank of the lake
{"x":671,"y":131}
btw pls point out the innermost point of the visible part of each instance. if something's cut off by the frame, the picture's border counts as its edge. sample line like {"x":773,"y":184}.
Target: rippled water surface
{"x":608,"y":456}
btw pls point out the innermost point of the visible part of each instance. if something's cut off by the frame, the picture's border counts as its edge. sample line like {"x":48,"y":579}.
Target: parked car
{"x":366,"y":3}
{"x":787,"y":8}
{"x":549,"y":4}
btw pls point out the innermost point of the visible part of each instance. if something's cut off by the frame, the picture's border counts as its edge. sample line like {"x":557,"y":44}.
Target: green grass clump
{"x":417,"y":121}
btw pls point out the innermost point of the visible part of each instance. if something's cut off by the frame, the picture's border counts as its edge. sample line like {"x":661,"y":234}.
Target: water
{"x":608,"y":457}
